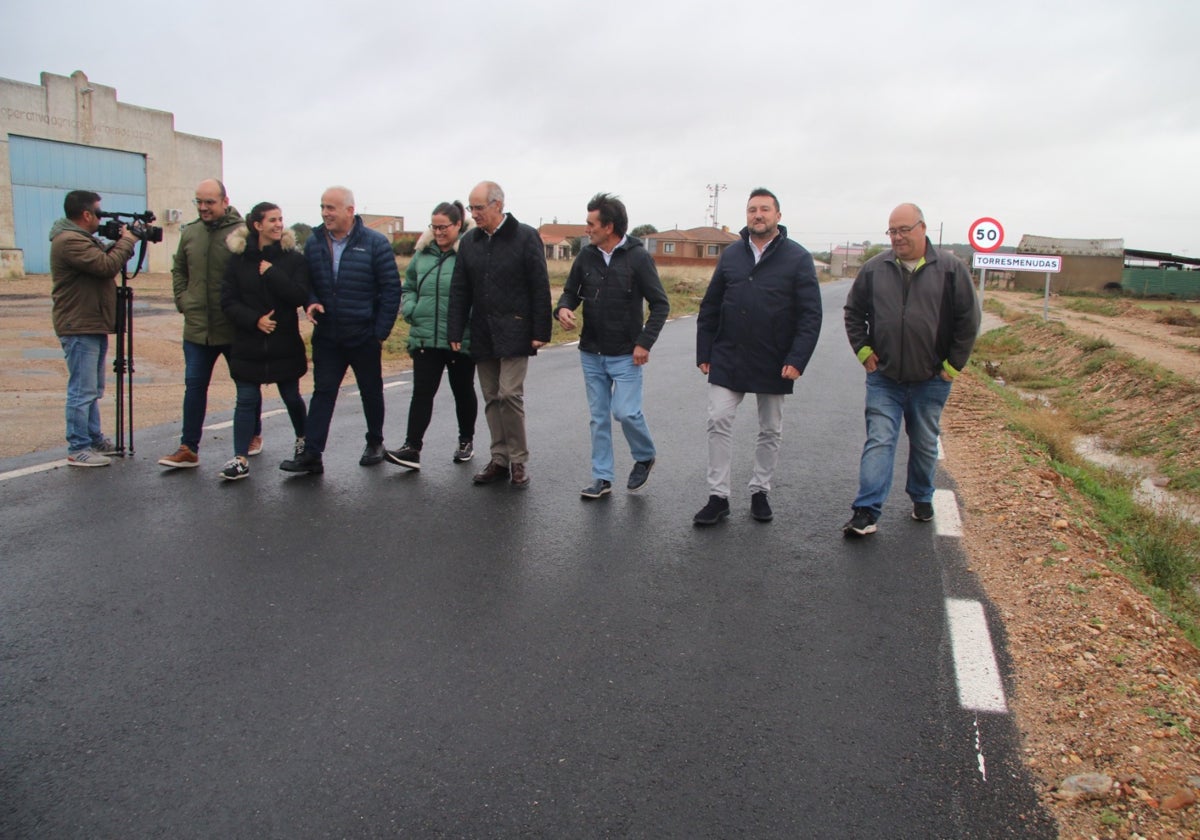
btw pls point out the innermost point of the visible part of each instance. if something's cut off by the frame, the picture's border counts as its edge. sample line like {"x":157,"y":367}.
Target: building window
{"x":668,"y":247}
{"x":713,"y":250}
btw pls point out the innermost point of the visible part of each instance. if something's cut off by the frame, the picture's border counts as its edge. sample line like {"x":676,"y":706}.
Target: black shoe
{"x":713,"y":512}
{"x":922,"y":511}
{"x":861,"y":524}
{"x":639,"y":475}
{"x":406,"y":456}
{"x":596,"y":489}
{"x":305,"y":462}
{"x":760,"y":508}
{"x":372,"y":455}
{"x":465,"y":452}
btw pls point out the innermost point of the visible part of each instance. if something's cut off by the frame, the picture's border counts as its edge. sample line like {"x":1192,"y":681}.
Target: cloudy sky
{"x":1072,"y":119}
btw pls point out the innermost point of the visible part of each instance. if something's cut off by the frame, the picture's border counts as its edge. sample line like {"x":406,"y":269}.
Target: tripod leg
{"x":129,"y":348}
{"x":119,"y":371}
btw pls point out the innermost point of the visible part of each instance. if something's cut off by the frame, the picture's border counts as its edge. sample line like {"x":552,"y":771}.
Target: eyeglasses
{"x":901,"y":231}
{"x":440,"y":228}
{"x":206,"y":202}
{"x":477,"y":208}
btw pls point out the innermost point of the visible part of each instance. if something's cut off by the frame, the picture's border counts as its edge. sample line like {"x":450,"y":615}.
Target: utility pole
{"x":714,"y":194}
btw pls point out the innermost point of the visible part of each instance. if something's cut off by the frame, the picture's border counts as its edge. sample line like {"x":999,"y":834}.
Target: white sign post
{"x":985,"y":236}
{"x":1022,"y":262}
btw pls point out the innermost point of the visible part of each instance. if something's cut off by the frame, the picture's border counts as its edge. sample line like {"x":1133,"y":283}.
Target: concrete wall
{"x":74,"y":110}
{"x":1079,"y":274}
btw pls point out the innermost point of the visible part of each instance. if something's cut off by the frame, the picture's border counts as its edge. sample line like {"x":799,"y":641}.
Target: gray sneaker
{"x":87,"y":458}
{"x":105,"y":446}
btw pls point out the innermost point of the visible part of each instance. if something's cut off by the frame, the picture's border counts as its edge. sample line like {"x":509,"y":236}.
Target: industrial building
{"x":69,"y":133}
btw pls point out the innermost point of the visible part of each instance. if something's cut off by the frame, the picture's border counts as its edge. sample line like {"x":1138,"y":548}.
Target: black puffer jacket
{"x":502,"y":288}
{"x":247,"y":295}
{"x":755,"y":319}
{"x":614,"y":297}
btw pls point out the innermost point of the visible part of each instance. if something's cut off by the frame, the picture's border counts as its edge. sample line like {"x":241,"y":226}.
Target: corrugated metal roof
{"x":1072,"y":247}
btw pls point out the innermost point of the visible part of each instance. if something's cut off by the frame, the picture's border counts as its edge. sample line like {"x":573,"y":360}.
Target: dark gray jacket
{"x":613,"y":296}
{"x":917,"y":329}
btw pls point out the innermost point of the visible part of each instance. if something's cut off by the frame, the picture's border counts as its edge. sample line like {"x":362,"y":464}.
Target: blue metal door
{"x":44,"y":171}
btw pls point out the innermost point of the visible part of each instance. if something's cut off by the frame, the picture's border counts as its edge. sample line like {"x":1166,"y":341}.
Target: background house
{"x":557,"y":240}
{"x":846,"y":260}
{"x":695,"y":246}
{"x":1089,"y":265}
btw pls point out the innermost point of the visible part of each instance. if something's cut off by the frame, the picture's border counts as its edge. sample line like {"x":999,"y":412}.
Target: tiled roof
{"x":696,"y":234}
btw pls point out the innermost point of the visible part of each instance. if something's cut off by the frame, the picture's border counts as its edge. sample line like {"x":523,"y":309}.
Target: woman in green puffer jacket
{"x":426,"y":297}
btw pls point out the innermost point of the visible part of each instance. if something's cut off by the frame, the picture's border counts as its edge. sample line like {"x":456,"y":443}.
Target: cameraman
{"x":85,"y":314}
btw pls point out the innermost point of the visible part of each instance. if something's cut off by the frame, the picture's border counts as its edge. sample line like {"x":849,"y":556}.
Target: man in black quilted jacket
{"x":502,"y":289}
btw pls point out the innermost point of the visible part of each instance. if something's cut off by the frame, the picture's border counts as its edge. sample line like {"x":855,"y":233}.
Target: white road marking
{"x":36,"y":468}
{"x":975,"y":670}
{"x":229,"y":423}
{"x":945,"y":514}
{"x":941,"y":452}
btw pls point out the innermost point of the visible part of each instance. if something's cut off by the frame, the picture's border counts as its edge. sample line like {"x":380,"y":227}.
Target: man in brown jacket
{"x":85,"y":314}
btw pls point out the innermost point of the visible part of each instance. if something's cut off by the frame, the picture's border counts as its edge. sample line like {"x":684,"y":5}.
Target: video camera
{"x":139,"y":225}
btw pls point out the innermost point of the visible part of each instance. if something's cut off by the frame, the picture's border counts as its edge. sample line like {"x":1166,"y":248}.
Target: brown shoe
{"x":493,"y":472}
{"x":181,"y":457}
{"x":255,"y":445}
{"x":520,"y":478}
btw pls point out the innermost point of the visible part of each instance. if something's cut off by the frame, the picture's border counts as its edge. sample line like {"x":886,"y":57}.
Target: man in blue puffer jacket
{"x":355,"y":299}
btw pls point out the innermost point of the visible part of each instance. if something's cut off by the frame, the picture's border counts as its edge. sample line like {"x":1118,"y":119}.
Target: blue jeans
{"x":614,"y":389}
{"x":85,"y":386}
{"x":920,"y":404}
{"x":249,"y":408}
{"x":198,"y":362}
{"x":329,"y":369}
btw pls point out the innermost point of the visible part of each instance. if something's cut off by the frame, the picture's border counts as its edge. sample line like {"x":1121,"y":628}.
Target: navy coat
{"x":755,"y":319}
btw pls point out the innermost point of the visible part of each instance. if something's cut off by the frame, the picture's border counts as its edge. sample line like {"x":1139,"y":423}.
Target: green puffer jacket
{"x":427,"y":295}
{"x":196,"y":279}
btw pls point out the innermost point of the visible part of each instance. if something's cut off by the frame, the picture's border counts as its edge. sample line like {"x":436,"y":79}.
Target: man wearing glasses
{"x":196,"y":280}
{"x":502,"y":289}
{"x":911,"y":317}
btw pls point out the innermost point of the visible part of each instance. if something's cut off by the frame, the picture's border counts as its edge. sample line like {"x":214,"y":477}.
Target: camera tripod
{"x":123,"y":359}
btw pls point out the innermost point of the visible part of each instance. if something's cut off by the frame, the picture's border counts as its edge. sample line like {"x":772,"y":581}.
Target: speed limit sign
{"x":986,"y":234}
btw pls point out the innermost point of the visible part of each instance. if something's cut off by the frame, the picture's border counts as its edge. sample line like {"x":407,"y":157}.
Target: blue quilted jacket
{"x":362,"y":301}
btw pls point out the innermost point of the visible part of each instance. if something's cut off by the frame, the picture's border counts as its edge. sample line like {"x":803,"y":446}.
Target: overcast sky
{"x":1071,"y":119}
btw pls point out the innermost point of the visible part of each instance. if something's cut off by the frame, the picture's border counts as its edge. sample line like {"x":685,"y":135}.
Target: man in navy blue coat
{"x":355,"y":299}
{"x":757,"y":328}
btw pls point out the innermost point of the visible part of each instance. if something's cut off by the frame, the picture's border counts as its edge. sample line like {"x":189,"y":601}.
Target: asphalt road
{"x":375,"y":653}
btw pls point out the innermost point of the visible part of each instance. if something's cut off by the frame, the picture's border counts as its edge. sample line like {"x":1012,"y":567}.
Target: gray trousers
{"x":502,"y":382}
{"x":722,"y":408}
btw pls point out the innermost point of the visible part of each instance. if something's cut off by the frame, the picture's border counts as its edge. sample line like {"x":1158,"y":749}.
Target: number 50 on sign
{"x":986,"y":234}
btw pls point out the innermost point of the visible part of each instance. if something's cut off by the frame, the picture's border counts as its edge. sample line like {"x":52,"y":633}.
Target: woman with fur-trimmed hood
{"x":424,"y":304}
{"x":265,"y":282}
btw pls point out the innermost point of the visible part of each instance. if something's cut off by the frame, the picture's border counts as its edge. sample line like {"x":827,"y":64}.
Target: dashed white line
{"x":945,"y":514}
{"x":975,"y":670}
{"x":212,"y":427}
{"x":36,"y":468}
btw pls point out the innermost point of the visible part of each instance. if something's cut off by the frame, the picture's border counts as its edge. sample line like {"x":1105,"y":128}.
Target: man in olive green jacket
{"x":196,"y":281}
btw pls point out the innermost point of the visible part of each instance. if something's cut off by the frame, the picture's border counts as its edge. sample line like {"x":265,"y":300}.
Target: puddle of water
{"x":1147,"y":491}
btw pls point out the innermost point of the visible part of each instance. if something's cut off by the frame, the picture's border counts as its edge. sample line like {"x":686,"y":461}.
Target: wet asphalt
{"x":379,"y":653}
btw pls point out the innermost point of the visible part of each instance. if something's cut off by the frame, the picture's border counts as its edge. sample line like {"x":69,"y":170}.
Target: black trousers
{"x":428,"y":365}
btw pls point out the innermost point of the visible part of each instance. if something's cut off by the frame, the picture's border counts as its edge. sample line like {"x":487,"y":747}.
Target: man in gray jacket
{"x":911,"y":317}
